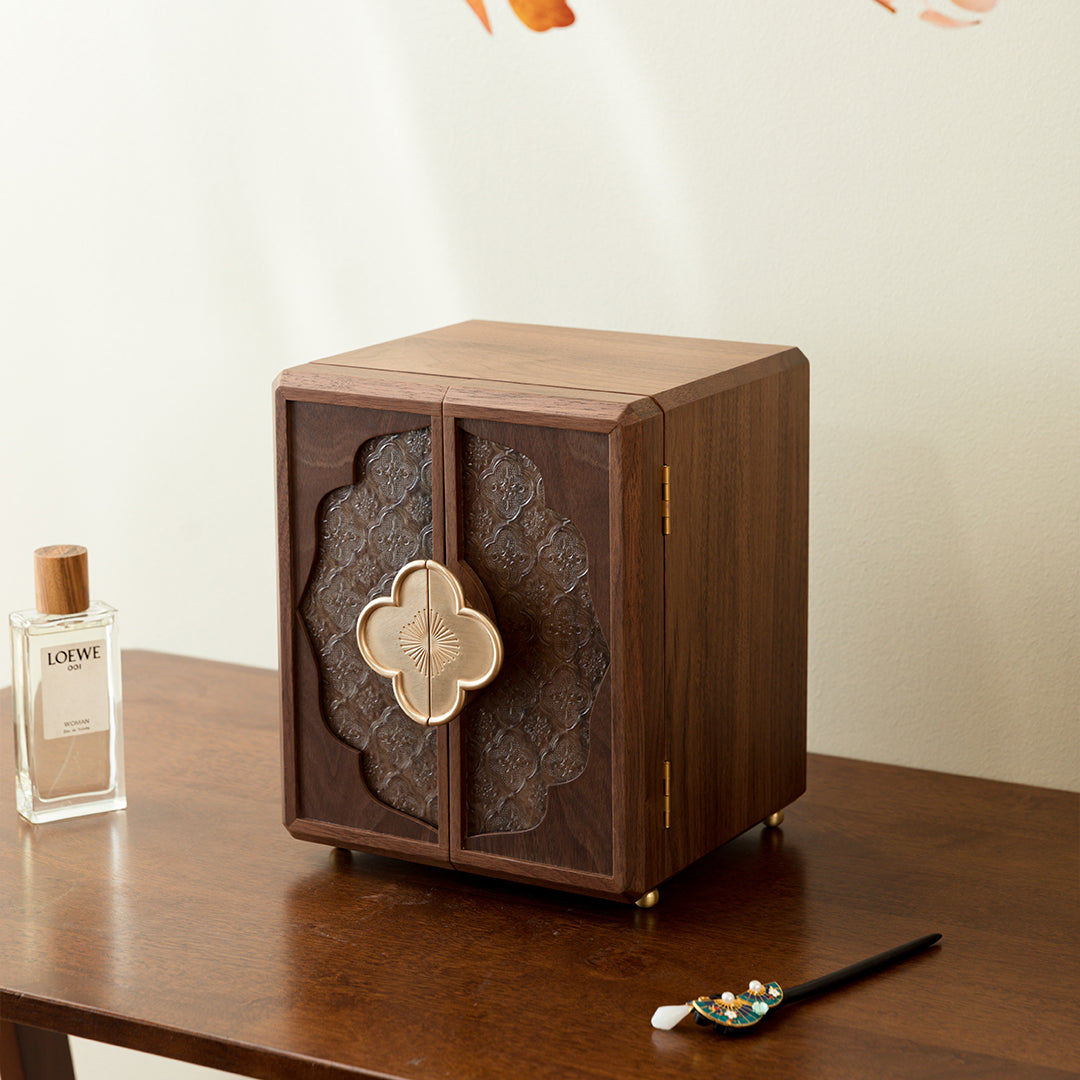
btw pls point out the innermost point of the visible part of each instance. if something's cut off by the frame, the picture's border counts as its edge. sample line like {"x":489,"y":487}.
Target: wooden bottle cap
{"x":61,"y":579}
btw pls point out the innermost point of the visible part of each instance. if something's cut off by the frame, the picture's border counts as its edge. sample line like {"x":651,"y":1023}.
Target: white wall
{"x":197,"y":195}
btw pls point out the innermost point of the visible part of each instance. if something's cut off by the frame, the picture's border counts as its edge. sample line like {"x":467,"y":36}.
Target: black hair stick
{"x":733,"y":1011}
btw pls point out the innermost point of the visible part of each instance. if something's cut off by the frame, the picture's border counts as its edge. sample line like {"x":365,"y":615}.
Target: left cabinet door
{"x":359,"y":496}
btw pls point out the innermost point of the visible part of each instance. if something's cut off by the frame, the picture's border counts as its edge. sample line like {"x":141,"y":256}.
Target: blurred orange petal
{"x":946,"y":22}
{"x":542,"y":14}
{"x":481,"y":12}
{"x":976,"y":5}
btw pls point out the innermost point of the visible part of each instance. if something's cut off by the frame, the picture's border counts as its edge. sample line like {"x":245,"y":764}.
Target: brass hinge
{"x":667,"y":794}
{"x":665,"y":500}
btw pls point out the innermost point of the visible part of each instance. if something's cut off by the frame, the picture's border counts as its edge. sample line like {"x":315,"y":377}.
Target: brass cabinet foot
{"x":340,"y":857}
{"x":650,"y":899}
{"x":774,"y":819}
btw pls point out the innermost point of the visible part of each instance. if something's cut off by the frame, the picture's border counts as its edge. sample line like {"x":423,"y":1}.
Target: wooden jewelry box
{"x":543,"y":599}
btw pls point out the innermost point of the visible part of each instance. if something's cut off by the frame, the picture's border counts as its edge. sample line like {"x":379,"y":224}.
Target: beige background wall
{"x":196,"y":195}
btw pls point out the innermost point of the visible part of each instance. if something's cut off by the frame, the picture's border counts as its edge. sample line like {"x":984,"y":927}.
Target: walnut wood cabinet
{"x":631,"y":513}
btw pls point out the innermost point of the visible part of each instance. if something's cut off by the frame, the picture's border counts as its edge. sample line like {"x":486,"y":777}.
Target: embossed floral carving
{"x":366,"y":530}
{"x":530,"y":729}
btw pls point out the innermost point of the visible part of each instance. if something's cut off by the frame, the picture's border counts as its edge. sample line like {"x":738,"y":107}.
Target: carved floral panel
{"x":366,"y":532}
{"x":530,"y":729}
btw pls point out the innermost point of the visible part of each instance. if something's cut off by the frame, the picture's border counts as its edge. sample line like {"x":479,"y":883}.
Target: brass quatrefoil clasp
{"x":426,"y":640}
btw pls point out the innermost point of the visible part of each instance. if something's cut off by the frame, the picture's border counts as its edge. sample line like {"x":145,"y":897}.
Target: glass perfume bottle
{"x":69,"y":749}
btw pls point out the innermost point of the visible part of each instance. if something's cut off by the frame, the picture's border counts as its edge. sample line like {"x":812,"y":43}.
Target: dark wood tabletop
{"x":191,"y":925}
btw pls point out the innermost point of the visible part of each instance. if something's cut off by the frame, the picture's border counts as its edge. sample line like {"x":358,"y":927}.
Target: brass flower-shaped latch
{"x":426,"y":640}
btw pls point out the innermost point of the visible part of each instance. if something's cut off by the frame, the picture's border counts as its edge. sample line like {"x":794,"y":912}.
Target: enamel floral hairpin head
{"x":735,"y":1012}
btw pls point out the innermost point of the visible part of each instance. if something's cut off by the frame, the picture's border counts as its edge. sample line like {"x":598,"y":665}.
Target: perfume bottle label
{"x":74,"y":689}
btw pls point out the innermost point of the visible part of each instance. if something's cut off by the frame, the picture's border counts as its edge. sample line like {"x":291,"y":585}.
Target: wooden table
{"x":191,"y":925}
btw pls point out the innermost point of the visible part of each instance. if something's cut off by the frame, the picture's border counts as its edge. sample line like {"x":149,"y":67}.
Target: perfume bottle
{"x":69,"y":749}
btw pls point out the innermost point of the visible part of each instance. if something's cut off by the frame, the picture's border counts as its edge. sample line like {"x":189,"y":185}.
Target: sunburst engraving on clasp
{"x":428,"y":642}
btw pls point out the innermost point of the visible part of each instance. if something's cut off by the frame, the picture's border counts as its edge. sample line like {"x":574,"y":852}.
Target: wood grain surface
{"x":28,"y":1053}
{"x":736,"y":604}
{"x":573,"y":359}
{"x":317,"y":445}
{"x":707,"y":678}
{"x":192,"y":925}
{"x":61,"y":579}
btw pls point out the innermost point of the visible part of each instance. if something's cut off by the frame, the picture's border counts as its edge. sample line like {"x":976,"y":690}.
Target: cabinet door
{"x":552,"y":772}
{"x":528,"y":512}
{"x":359,"y":496}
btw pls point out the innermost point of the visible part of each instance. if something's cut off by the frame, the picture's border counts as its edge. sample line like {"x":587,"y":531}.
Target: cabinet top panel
{"x":670,"y":370}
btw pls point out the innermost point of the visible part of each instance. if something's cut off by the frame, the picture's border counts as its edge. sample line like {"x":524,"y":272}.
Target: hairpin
{"x":732,"y":1012}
